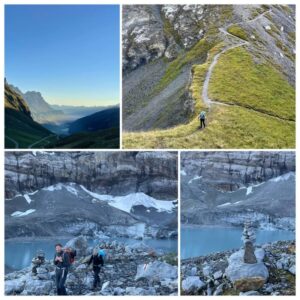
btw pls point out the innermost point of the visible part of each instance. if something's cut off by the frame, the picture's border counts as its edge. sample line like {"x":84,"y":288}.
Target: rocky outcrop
{"x":118,"y":276}
{"x":114,"y":173}
{"x":13,"y":100}
{"x":232,"y":187}
{"x":229,"y":171}
{"x":214,"y":271}
{"x":154,"y":31}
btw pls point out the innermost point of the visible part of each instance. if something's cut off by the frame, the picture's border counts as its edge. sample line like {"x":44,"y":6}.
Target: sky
{"x":69,"y":53}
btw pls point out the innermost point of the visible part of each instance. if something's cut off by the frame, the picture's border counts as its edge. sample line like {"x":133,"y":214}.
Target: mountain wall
{"x":114,"y":173}
{"x":229,"y":188}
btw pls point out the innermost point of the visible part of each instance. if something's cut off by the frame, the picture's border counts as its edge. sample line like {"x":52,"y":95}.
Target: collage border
{"x":121,"y":149}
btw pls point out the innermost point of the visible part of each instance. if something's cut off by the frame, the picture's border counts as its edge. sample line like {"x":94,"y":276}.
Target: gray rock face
{"x":112,"y":192}
{"x":229,"y":171}
{"x":156,"y":271}
{"x":114,"y":173}
{"x":233,"y":187}
{"x":192,"y":284}
{"x":143,"y":37}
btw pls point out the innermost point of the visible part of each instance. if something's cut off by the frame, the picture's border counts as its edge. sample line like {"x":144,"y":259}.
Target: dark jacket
{"x":65,"y":262}
{"x":97,"y":260}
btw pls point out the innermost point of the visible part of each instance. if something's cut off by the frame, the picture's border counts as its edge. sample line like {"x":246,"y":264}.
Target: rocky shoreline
{"x":128,"y":270}
{"x":206,"y":275}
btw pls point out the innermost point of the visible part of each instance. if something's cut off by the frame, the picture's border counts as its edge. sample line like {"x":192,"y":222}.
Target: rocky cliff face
{"x":229,"y":171}
{"x":13,"y":100}
{"x":114,"y":173}
{"x":231,"y":187}
{"x":154,"y":31}
{"x":72,"y":193}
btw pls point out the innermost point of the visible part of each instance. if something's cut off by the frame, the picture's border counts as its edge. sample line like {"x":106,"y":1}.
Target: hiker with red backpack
{"x":62,"y":263}
{"x":97,"y":259}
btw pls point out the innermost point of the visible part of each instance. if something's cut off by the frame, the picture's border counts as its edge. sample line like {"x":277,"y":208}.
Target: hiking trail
{"x":13,"y":141}
{"x":215,"y":59}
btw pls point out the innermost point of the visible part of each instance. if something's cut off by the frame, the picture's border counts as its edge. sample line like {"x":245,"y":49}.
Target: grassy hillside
{"x":23,"y":130}
{"x":104,"y":119}
{"x":102,"y":139}
{"x":238,"y":79}
{"x":228,"y":127}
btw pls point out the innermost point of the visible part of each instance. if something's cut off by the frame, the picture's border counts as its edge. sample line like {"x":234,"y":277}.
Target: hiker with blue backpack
{"x":202,"y":118}
{"x":97,"y":259}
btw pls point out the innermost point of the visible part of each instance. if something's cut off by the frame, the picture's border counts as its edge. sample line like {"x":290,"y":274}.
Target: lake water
{"x":197,"y":241}
{"x":18,"y":253}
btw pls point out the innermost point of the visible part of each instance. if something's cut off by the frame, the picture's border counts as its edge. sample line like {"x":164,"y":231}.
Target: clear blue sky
{"x":69,"y":53}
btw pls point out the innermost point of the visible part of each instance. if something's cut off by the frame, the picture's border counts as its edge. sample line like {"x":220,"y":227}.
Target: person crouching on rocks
{"x":62,"y":262}
{"x":97,"y":261}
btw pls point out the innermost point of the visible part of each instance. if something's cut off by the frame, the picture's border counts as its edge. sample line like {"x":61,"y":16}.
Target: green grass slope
{"x":23,"y":130}
{"x":239,"y":80}
{"x":102,"y":139}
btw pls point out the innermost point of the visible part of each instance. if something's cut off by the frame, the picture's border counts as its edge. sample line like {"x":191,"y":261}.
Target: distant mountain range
{"x":30,"y":122}
{"x":108,"y":118}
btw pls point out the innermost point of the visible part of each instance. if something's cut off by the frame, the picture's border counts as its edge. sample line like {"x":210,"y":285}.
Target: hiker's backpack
{"x":202,"y":115}
{"x":72,"y":254}
{"x":102,"y":253}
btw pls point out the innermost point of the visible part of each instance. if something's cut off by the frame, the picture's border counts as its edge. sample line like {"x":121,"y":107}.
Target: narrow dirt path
{"x":240,"y":43}
{"x":13,"y":141}
{"x":45,"y":138}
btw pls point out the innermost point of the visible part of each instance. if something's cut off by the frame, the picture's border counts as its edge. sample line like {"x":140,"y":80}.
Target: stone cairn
{"x":248,"y":238}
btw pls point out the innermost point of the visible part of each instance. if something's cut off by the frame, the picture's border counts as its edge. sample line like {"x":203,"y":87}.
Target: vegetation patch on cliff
{"x":238,"y":31}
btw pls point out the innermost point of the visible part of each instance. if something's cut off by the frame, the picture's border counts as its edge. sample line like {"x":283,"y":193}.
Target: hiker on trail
{"x":37,"y":261}
{"x":97,"y":259}
{"x":62,"y":262}
{"x":202,"y":118}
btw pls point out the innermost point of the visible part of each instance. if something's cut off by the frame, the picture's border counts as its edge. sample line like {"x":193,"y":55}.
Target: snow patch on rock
{"x":22,"y":214}
{"x":126,"y":203}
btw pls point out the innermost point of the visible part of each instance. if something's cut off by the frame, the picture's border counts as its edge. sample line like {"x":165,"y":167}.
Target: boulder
{"x":206,"y":270}
{"x":250,"y":293}
{"x":38,"y":287}
{"x":156,"y":270}
{"x":292,"y":269}
{"x":218,"y":275}
{"x":138,"y":291}
{"x":246,"y":277}
{"x":43,"y":273}
{"x":219,"y":290}
{"x":14,"y":286}
{"x":194,"y":271}
{"x":118,"y":291}
{"x":192,"y":284}
{"x":105,"y":286}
